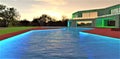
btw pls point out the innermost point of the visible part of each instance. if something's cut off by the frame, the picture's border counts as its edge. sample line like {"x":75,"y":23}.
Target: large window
{"x":85,"y":15}
{"x":84,"y":23}
{"x":115,"y":11}
{"x":89,"y":15}
{"x":110,"y":23}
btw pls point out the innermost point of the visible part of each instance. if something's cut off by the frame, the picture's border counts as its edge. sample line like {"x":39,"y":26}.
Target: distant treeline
{"x":44,"y":20}
{"x":10,"y":17}
{"x":41,"y":23}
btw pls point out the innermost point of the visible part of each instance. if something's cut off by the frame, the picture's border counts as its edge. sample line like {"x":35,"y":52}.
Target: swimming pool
{"x":65,"y":43}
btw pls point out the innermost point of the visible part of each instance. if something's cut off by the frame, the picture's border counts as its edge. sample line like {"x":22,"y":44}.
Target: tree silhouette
{"x":10,"y":15}
{"x":35,"y":22}
{"x":42,"y":20}
{"x":24,"y":22}
{"x":64,"y":18}
{"x":46,"y":20}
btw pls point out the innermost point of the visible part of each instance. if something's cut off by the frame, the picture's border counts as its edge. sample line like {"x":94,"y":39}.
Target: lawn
{"x":13,"y":29}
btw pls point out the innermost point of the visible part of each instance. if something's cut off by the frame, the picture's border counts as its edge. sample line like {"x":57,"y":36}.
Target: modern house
{"x":106,"y":17}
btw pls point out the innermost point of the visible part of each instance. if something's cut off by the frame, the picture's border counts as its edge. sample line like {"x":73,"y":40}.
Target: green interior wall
{"x":102,"y":22}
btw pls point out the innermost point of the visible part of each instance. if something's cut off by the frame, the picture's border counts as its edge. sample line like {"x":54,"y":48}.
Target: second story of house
{"x":88,"y":14}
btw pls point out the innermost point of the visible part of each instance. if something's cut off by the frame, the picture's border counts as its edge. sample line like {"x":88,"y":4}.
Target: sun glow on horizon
{"x":53,"y":14}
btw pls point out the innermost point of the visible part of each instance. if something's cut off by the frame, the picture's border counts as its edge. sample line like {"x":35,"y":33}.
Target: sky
{"x":29,"y":9}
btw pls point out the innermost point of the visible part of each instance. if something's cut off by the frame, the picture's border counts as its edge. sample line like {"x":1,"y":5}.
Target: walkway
{"x":105,"y":32}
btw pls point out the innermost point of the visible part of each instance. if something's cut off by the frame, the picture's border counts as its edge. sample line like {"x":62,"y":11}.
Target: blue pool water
{"x":66,"y":43}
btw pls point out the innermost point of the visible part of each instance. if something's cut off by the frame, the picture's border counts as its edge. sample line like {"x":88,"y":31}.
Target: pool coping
{"x":102,"y":31}
{"x":8,"y":35}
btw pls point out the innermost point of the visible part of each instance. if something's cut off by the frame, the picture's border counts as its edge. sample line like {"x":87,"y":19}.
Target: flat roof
{"x":83,"y":19}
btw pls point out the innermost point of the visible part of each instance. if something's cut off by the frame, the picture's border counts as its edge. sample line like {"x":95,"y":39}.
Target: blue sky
{"x":30,"y":9}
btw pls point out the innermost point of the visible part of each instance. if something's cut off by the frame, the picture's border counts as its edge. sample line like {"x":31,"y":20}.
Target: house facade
{"x":106,"y":17}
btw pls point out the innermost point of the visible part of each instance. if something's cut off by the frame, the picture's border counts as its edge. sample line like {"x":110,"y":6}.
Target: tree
{"x":64,"y":21}
{"x":64,"y":18}
{"x":24,"y":22}
{"x":2,"y":7}
{"x":3,"y":23}
{"x":35,"y":22}
{"x":9,"y":14}
{"x":43,"y":20}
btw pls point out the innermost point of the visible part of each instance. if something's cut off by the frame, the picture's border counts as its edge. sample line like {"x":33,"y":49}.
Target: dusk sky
{"x":29,"y":9}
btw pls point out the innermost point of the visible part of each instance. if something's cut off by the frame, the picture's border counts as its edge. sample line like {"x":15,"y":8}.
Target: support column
{"x":73,"y":24}
{"x":117,"y":21}
{"x":93,"y":23}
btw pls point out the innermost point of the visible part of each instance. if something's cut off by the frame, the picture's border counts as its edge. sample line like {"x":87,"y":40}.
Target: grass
{"x":13,"y":29}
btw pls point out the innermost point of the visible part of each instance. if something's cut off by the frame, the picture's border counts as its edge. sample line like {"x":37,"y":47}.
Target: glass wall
{"x":85,"y":15}
{"x":93,"y":14}
{"x":106,"y":22}
{"x":89,"y":15}
{"x":115,"y":11}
